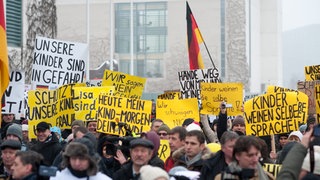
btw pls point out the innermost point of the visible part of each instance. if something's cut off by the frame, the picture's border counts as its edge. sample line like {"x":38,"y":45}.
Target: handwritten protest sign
{"x":169,"y":95}
{"x":275,"y":113}
{"x":125,"y":85}
{"x":312,"y":73}
{"x":317,"y":96}
{"x":164,"y":149}
{"x":14,"y":94}
{"x":307,"y":87}
{"x":53,"y":106}
{"x":212,"y":94}
{"x":277,"y":89}
{"x":57,"y":63}
{"x":116,"y":115}
{"x":274,"y":169}
{"x":85,"y":101}
{"x":190,"y":81}
{"x":174,"y":112}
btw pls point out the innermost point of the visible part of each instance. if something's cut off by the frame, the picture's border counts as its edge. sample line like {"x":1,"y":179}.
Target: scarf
{"x":193,"y":160}
{"x":76,"y":173}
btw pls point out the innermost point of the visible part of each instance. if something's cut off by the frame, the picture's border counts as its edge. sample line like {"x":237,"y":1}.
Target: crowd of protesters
{"x":198,"y":150}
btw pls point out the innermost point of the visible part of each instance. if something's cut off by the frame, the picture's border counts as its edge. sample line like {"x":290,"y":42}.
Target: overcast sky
{"x":297,"y":13}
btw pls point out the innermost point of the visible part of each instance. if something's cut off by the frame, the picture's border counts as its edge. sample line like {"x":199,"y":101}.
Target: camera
{"x":47,"y":171}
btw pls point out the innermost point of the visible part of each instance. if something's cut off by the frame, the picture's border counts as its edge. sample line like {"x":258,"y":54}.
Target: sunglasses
{"x":162,"y":134}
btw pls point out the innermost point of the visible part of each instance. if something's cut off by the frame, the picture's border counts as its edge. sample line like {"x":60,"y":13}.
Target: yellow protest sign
{"x":277,"y":89}
{"x":169,"y":95}
{"x":275,"y":113}
{"x":274,"y":169}
{"x":312,"y":73}
{"x":118,"y":115}
{"x":164,"y":149}
{"x":212,"y":94}
{"x":53,"y":106}
{"x":125,"y":85}
{"x":317,"y":98}
{"x":85,"y":99}
{"x":174,"y":112}
{"x":307,"y":87}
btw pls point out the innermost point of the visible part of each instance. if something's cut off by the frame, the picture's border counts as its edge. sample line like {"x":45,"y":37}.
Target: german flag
{"x":4,"y":63}
{"x":194,"y":39}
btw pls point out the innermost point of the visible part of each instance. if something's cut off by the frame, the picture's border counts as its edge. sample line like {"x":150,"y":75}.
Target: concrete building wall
{"x":263,"y":60}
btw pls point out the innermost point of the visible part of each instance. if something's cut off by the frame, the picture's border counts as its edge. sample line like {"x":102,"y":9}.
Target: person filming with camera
{"x":245,"y":164}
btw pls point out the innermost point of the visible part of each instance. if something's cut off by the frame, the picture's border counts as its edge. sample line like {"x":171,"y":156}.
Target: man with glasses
{"x":47,"y":143}
{"x":163,"y":132}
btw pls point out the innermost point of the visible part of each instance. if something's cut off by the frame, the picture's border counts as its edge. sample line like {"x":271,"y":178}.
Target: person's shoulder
{"x":100,"y":175}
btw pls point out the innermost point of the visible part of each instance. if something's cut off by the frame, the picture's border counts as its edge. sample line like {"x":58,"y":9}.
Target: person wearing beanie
{"x":74,"y":125}
{"x":25,"y":131}
{"x":238,"y":125}
{"x":193,"y":126}
{"x":14,"y":132}
{"x":79,"y":163}
{"x":77,"y":123}
{"x":148,"y":172}
{"x":295,"y":136}
{"x":9,"y":148}
{"x":163,"y":131}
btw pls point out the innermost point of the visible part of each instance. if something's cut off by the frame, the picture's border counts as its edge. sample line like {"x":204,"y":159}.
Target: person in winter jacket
{"x":245,"y":164}
{"x":191,"y":154}
{"x":79,"y":163}
{"x":220,"y":160}
{"x":140,"y":153}
{"x":47,"y":143}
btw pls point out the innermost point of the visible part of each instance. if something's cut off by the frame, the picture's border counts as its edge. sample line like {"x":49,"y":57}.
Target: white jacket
{"x":66,"y":174}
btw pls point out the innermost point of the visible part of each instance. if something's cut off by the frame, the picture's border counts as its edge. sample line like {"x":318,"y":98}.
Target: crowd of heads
{"x":85,"y":152}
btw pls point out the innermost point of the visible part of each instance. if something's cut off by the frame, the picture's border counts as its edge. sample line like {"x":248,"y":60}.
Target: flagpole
{"x":88,"y":42}
{"x":205,"y":45}
{"x":131,"y":37}
{"x":111,"y":35}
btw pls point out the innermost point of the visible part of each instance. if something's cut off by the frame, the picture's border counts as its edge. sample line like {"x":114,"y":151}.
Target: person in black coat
{"x":47,"y":143}
{"x":214,"y":165}
{"x":140,"y":153}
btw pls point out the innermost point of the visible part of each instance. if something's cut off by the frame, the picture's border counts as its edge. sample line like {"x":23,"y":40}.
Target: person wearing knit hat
{"x":148,"y":172}
{"x":25,"y":135}
{"x":76,"y":123}
{"x":193,"y":126}
{"x":57,"y":131}
{"x":14,"y":132}
{"x":238,"y":125}
{"x":163,"y":131}
{"x":9,"y":148}
{"x":295,"y":136}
